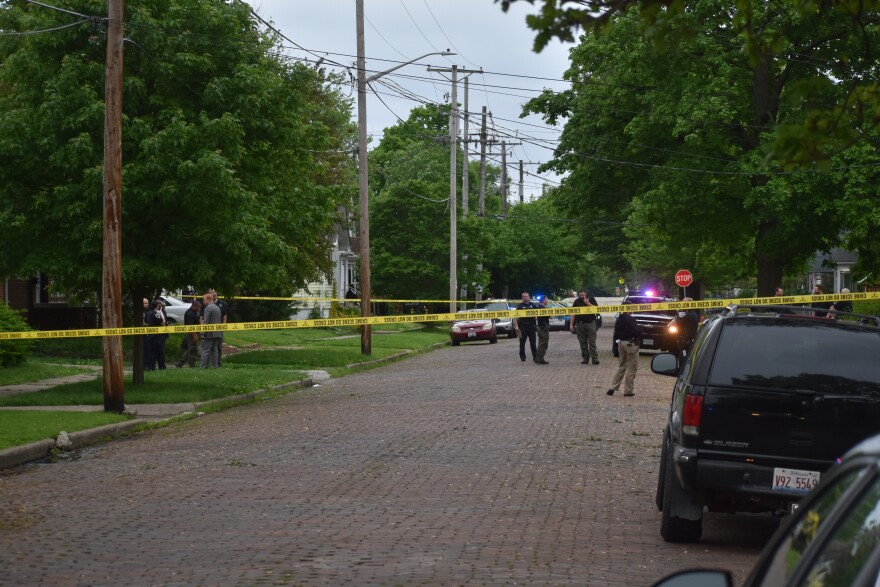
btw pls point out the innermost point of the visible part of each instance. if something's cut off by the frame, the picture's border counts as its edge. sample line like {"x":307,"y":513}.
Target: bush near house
{"x":869,"y":307}
{"x":13,"y":352}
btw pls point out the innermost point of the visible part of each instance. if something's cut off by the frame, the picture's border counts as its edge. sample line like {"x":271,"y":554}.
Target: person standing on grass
{"x":211,"y":340}
{"x":190,"y":339}
{"x":224,"y":311}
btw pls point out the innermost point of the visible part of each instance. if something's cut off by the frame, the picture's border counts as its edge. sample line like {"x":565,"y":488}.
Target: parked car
{"x":471,"y":330}
{"x":174,"y":308}
{"x":559,"y":322}
{"x":502,"y":325}
{"x":830,"y":539}
{"x":654,"y":323}
{"x":765,"y":403}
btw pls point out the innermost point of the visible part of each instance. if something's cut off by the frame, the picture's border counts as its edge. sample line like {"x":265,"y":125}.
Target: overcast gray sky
{"x":396,"y":31}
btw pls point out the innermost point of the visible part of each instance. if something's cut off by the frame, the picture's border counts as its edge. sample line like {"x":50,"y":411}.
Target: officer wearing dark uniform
{"x":543,"y":334}
{"x":526,"y":328}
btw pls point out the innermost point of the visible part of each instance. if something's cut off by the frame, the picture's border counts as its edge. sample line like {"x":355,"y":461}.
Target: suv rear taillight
{"x":693,"y":414}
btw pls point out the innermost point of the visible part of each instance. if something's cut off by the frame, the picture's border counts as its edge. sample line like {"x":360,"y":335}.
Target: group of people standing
{"x":210,"y":310}
{"x":627,"y":338}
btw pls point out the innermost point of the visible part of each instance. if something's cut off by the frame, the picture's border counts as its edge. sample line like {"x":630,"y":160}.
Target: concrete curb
{"x":19,"y":455}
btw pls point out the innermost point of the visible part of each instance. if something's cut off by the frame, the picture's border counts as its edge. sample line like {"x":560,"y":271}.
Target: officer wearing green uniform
{"x":584,"y":325}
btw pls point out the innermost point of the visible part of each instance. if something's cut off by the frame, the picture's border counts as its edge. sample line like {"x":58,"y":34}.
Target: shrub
{"x":13,"y":352}
{"x":870,"y":307}
{"x":259,"y":310}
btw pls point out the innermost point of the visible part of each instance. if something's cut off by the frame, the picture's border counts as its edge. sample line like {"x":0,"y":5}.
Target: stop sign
{"x":683,"y":278}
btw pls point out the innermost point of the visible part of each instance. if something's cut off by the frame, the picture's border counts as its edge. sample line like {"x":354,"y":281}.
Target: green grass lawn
{"x":170,"y":386}
{"x":255,"y":370}
{"x":25,"y":426}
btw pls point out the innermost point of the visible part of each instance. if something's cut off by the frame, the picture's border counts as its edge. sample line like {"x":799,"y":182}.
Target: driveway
{"x":462,"y":466}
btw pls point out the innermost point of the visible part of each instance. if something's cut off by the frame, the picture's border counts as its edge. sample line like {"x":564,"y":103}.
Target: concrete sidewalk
{"x":35,"y":386}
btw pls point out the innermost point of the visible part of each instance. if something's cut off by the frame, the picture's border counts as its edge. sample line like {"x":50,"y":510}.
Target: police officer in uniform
{"x":543,"y":334}
{"x":526,"y":328}
{"x":585,"y":326}
{"x":627,"y":338}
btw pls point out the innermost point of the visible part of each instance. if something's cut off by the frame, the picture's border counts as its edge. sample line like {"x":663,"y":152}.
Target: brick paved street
{"x":461,"y":466}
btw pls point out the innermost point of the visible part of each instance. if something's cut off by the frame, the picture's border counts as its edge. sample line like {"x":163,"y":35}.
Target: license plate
{"x":472,"y":335}
{"x":794,"y":480}
{"x":647,"y":341}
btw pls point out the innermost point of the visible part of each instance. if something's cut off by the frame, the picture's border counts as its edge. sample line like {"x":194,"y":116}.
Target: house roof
{"x":823,"y":261}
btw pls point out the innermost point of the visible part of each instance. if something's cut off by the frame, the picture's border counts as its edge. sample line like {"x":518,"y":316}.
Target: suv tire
{"x":661,"y":476}
{"x":674,"y":528}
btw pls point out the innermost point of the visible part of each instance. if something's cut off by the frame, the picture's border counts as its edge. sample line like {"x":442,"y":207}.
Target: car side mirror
{"x":697,"y":578}
{"x":665,"y":364}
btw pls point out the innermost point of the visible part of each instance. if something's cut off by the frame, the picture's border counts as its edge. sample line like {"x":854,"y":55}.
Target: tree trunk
{"x":770,"y":261}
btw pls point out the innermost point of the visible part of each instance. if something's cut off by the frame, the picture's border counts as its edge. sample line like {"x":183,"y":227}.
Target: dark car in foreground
{"x":767,"y":400}
{"x":473,"y":330}
{"x":654,"y":323}
{"x":833,"y":538}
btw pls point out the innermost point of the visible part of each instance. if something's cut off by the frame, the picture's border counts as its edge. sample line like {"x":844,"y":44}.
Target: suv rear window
{"x":807,"y":355}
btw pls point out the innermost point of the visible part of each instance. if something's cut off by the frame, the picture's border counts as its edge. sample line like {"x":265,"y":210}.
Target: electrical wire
{"x":451,"y":44}
{"x":58,"y":28}
{"x":64,"y":10}
{"x":418,"y":27}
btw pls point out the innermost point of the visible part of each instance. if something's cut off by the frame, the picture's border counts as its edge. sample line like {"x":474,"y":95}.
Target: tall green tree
{"x":673,"y":144}
{"x":232,"y":155}
{"x":835,"y":39}
{"x":535,"y":249}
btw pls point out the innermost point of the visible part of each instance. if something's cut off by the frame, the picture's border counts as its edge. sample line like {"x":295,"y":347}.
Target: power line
{"x":58,"y":28}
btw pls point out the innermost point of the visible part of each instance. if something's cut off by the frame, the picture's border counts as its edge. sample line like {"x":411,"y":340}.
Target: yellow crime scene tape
{"x":322,"y":299}
{"x":445,"y":317}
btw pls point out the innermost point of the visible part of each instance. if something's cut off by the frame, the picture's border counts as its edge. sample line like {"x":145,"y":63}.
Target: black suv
{"x":654,"y":323}
{"x":767,"y":400}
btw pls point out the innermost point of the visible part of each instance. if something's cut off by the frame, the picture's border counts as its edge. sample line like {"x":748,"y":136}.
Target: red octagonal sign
{"x":683,"y":278}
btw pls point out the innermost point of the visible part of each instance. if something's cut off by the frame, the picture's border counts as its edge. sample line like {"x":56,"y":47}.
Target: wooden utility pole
{"x":465,"y":176}
{"x":483,"y":137}
{"x":503,"y":178}
{"x":521,"y":185}
{"x":111,"y":298}
{"x":465,"y":183}
{"x":363,"y":187}
{"x":453,"y":196}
